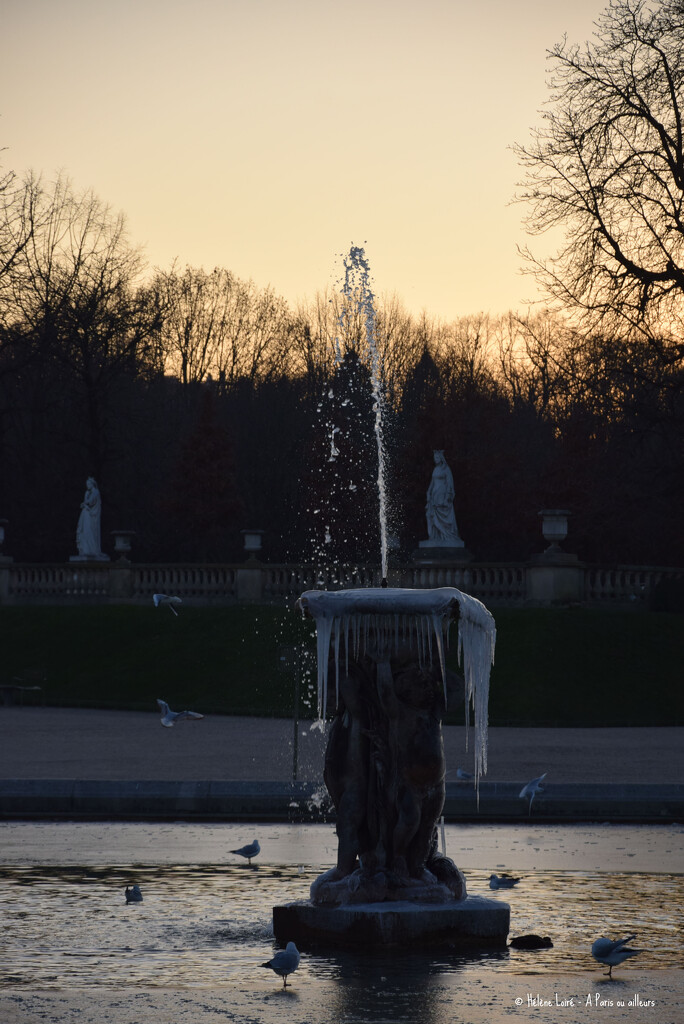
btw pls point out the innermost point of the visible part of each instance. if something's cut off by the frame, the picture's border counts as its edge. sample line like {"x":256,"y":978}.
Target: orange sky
{"x":267,"y":136}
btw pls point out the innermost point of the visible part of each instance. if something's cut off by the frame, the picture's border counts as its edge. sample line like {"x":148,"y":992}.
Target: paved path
{"x":77,"y":744}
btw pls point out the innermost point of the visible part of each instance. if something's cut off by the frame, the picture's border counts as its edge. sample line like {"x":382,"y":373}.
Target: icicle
{"x":323,"y":632}
{"x":346,"y":644}
{"x":337,"y":660}
{"x":439,"y":636}
{"x":476,"y":641}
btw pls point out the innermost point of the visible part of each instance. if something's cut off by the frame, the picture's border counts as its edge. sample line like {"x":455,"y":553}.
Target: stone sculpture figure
{"x":441,"y":518}
{"x":346,"y":771}
{"x":88,"y":529}
{"x":385,"y":772}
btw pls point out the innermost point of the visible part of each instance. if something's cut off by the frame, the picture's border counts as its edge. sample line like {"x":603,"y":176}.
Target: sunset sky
{"x":267,"y":136}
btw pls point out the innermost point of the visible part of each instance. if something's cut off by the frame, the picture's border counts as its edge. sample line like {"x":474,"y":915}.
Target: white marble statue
{"x":441,"y":518}
{"x":88,"y":529}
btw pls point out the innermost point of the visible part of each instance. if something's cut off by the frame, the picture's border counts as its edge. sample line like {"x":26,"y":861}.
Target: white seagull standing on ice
{"x":169,"y":717}
{"x":531,"y":789}
{"x":611,"y":953}
{"x":248,"y":851}
{"x":285,"y":962}
{"x":165,"y":599}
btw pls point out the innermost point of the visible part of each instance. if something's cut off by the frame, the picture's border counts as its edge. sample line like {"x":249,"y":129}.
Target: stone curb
{"x":500,"y":801}
{"x":301,"y":801}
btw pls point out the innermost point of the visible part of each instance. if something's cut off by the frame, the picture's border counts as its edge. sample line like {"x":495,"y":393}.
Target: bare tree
{"x":536,"y":359}
{"x":253,"y":342}
{"x":18,"y":223}
{"x":217,"y":325}
{"x":71,"y":295}
{"x":465,"y":347}
{"x":607,"y":164}
{"x":401,"y":342}
{"x":196,"y":306}
{"x":17,"y":200}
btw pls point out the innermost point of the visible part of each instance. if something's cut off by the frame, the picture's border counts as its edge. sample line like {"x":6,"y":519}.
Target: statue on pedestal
{"x":439,"y":510}
{"x":444,"y":541}
{"x":88,"y":529}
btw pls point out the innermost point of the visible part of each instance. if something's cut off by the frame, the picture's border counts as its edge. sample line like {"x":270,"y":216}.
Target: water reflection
{"x":204,"y":925}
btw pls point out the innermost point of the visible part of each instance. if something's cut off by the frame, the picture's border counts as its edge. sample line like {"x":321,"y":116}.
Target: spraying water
{"x":360,"y":302}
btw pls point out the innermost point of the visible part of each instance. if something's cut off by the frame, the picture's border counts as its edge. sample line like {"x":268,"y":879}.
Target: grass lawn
{"x":554,"y":667}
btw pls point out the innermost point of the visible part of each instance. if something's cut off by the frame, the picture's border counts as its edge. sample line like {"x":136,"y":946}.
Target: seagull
{"x":284,"y":962}
{"x":133,"y":895}
{"x":165,"y":599}
{"x":248,"y":851}
{"x":502,"y":881}
{"x":464,"y":775}
{"x":613,"y":953}
{"x":169,"y":717}
{"x":531,"y":789}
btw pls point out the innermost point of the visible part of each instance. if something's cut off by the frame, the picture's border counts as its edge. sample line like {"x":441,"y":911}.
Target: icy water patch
{"x":206,"y":919}
{"x":208,"y":925}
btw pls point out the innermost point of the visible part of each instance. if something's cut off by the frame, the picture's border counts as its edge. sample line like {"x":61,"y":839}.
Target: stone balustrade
{"x":494,"y":583}
{"x":491,"y":583}
{"x":625,"y":583}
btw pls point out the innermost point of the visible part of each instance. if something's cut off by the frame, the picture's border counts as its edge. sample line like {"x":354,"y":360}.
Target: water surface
{"x":206,"y":915}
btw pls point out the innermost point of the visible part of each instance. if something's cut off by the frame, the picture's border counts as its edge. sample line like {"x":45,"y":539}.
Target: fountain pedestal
{"x":471,"y":924}
{"x":384,"y":769}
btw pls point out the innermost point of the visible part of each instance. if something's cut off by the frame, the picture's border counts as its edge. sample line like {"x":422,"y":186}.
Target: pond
{"x":205,"y":921}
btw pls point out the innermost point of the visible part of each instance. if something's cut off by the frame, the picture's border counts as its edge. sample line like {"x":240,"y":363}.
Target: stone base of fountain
{"x":476,"y":923}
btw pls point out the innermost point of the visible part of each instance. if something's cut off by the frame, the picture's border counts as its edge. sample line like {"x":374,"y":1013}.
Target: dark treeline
{"x":203,"y":404}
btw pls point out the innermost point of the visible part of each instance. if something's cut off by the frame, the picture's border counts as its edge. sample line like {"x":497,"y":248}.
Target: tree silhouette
{"x":203,"y":505}
{"x":607,"y":164}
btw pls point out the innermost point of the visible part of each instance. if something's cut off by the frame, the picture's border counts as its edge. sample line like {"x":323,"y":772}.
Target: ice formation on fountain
{"x":351,"y":621}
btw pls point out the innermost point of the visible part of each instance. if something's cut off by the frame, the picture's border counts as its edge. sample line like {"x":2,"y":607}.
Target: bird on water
{"x":285,"y":962}
{"x":248,"y":851}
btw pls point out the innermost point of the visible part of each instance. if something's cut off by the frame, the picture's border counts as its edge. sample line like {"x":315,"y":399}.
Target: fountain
{"x":382,"y":656}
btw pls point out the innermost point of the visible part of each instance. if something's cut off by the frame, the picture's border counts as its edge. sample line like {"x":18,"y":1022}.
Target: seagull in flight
{"x":285,"y":962}
{"x":464,"y":775}
{"x":133,"y":895}
{"x":167,"y":600}
{"x":248,"y":851}
{"x":611,"y":953}
{"x":503,"y":881}
{"x":531,"y":789}
{"x":169,"y":717}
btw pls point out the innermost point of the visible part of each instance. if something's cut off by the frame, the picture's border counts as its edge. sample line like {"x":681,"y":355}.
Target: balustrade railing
{"x":499,"y":583}
{"x":625,"y":583}
{"x":36,"y":581}
{"x":209,"y":582}
{"x":252,"y":581}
